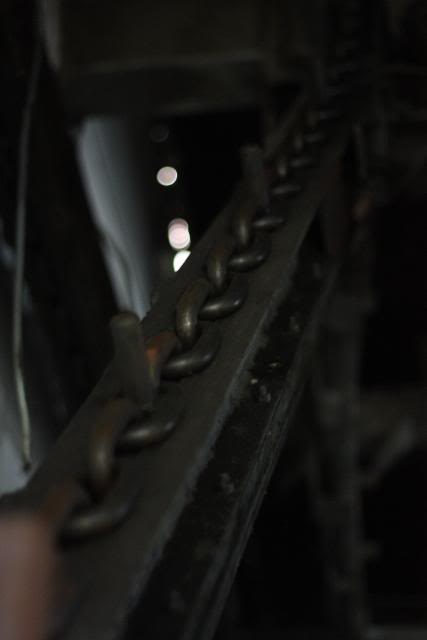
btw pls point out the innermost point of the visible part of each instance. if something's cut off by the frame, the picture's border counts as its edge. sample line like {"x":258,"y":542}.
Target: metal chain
{"x":147,"y":408}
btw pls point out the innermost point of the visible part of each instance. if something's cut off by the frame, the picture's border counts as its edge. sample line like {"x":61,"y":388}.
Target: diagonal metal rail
{"x":158,"y":481}
{"x":194,"y":576}
{"x":120,"y":476}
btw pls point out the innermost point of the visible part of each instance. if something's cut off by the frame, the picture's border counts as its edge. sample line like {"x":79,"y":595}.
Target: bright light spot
{"x":179,"y":234}
{"x":179,"y":259}
{"x":167,"y":176}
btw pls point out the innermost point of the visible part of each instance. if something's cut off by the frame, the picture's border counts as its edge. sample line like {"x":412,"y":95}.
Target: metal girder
{"x":108,"y":574}
{"x":188,"y":589}
{"x":140,"y":498}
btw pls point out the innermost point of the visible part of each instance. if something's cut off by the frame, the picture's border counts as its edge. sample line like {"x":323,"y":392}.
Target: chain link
{"x":187,"y":311}
{"x":187,"y":363}
{"x":220,"y":306}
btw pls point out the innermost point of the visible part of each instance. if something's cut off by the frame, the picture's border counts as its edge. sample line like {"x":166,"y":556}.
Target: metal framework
{"x":131,"y":488}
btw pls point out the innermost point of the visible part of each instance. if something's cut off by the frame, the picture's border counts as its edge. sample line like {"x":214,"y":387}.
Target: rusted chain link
{"x":186,"y":363}
{"x":188,"y":309}
{"x":146,"y":408}
{"x":220,"y":306}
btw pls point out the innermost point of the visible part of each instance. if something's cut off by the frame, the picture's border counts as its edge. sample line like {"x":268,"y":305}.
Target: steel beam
{"x":188,"y":589}
{"x":108,"y":574}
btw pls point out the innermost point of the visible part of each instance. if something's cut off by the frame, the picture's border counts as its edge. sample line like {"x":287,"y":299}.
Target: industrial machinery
{"x":213,"y":336}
